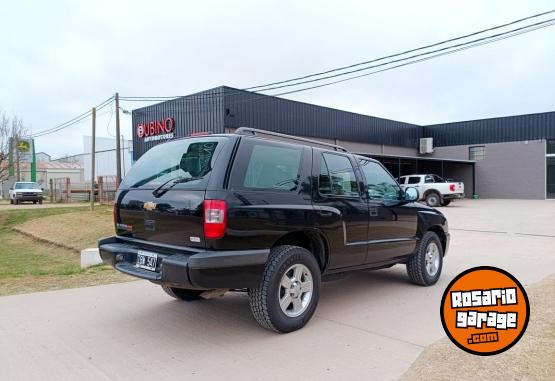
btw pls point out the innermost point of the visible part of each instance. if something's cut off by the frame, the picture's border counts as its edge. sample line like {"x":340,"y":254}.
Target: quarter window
{"x":337,"y":176}
{"x":380,"y":183}
{"x":272,"y":167}
{"x":477,"y":153}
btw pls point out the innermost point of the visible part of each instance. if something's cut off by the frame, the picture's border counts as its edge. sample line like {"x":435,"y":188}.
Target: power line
{"x":71,"y":122}
{"x":440,"y":52}
{"x":454,"y":48}
{"x":493,"y":37}
{"x":411,"y":62}
{"x":404,"y":52}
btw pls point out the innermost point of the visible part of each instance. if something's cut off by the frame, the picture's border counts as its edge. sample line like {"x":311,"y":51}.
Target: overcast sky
{"x":58,"y":59}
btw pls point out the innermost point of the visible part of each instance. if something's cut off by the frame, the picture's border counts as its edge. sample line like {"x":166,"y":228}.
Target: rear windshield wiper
{"x":174,"y":181}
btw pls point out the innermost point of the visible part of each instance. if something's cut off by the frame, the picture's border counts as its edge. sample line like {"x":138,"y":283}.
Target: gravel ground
{"x":532,"y":358}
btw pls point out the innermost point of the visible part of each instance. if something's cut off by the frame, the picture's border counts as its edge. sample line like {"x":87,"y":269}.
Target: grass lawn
{"x":28,"y":265}
{"x":74,"y":230}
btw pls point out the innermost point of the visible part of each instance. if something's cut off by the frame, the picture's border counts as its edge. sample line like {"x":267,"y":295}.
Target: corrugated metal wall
{"x":213,"y":110}
{"x":494,"y":130}
{"x":200,"y":112}
{"x":246,"y":109}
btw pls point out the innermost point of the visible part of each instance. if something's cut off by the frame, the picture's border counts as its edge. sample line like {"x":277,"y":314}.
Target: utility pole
{"x":118,"y":148}
{"x":93,"y":155}
{"x":18,"y":173}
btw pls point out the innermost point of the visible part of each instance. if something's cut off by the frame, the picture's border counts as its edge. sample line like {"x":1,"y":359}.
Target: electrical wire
{"x":412,"y":62}
{"x":73,"y":121}
{"x":404,"y":52}
{"x":524,"y":29}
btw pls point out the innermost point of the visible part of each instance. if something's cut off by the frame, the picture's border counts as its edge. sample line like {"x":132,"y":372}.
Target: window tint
{"x":477,"y":153}
{"x":272,"y":167}
{"x":337,"y":176}
{"x":438,"y":179}
{"x":189,"y":161}
{"x":414,"y":180}
{"x":402,"y":180}
{"x":380,"y":183}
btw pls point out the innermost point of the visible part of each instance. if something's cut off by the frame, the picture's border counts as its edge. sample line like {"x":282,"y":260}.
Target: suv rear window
{"x":272,"y":167}
{"x":261,"y":164}
{"x":189,"y":160}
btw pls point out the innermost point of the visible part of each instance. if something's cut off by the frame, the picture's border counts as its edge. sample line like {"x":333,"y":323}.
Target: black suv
{"x":269,"y":214}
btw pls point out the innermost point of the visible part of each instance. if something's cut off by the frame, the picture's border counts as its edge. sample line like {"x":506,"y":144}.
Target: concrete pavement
{"x":371,"y":325}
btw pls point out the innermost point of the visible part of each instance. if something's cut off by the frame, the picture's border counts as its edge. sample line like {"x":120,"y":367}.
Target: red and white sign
{"x":156,"y":129}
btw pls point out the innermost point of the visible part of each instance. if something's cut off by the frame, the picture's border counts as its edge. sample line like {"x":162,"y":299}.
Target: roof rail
{"x":255,"y":131}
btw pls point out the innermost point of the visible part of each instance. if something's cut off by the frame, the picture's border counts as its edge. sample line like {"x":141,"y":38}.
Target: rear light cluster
{"x":215,"y":218}
{"x":452,"y":187}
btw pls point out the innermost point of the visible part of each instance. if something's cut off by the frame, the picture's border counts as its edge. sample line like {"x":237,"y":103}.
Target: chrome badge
{"x":149,"y":205}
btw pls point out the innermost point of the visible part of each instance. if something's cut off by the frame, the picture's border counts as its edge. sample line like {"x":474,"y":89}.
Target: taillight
{"x":452,"y":187}
{"x":215,"y":218}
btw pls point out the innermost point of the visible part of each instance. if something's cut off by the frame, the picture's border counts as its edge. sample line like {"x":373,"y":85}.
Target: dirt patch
{"x":532,"y":358}
{"x":75,"y":231}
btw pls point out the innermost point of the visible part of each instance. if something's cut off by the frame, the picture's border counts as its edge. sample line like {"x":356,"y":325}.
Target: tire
{"x":183,"y":294}
{"x":445,"y":202}
{"x":16,"y":202}
{"x":40,"y":202}
{"x":11,"y":201}
{"x":433,"y":199}
{"x":419,"y":265}
{"x":34,"y":203}
{"x":289,"y":262}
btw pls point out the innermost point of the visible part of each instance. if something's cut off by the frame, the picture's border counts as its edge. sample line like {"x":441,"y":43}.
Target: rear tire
{"x":40,"y":202}
{"x":183,"y":294}
{"x":289,"y":290}
{"x":445,"y":202}
{"x":425,"y":265}
{"x":16,"y":202}
{"x":433,"y":199}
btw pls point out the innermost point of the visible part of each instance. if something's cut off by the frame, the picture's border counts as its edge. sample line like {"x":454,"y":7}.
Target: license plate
{"x":147,"y":260}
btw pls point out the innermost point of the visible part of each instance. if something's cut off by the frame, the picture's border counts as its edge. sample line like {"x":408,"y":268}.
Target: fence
{"x":106,"y":188}
{"x":63,"y":190}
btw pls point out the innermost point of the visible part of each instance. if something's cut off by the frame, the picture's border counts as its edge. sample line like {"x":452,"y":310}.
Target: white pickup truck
{"x":434,"y":189}
{"x":25,"y":191}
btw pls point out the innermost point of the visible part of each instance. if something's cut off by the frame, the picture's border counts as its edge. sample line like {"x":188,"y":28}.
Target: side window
{"x":273,"y":167}
{"x":380,"y":183}
{"x":337,"y":176}
{"x":414,"y":180}
{"x":402,"y":180}
{"x":429,"y":179}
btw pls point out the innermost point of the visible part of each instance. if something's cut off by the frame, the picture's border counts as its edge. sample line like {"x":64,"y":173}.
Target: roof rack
{"x":255,"y":131}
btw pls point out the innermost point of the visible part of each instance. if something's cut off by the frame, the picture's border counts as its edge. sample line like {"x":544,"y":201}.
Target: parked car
{"x":25,"y":191}
{"x":434,"y":189}
{"x":248,"y":212}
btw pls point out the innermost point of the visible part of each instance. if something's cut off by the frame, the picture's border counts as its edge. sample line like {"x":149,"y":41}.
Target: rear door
{"x":341,"y":209}
{"x":161,"y":199}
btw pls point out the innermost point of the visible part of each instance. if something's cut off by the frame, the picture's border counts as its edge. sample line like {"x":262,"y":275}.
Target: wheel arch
{"x":312,"y":240}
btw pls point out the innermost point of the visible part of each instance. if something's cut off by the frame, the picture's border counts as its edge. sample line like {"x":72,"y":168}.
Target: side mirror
{"x":411,"y":194}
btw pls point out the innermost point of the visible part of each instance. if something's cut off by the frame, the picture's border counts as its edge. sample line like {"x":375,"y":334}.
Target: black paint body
{"x":344,"y":233}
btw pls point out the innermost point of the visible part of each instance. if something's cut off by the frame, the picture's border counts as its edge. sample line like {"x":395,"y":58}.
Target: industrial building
{"x":506,"y":157}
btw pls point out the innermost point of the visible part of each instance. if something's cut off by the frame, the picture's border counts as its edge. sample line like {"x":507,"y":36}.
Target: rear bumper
{"x":453,"y":196}
{"x":187,"y":268}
